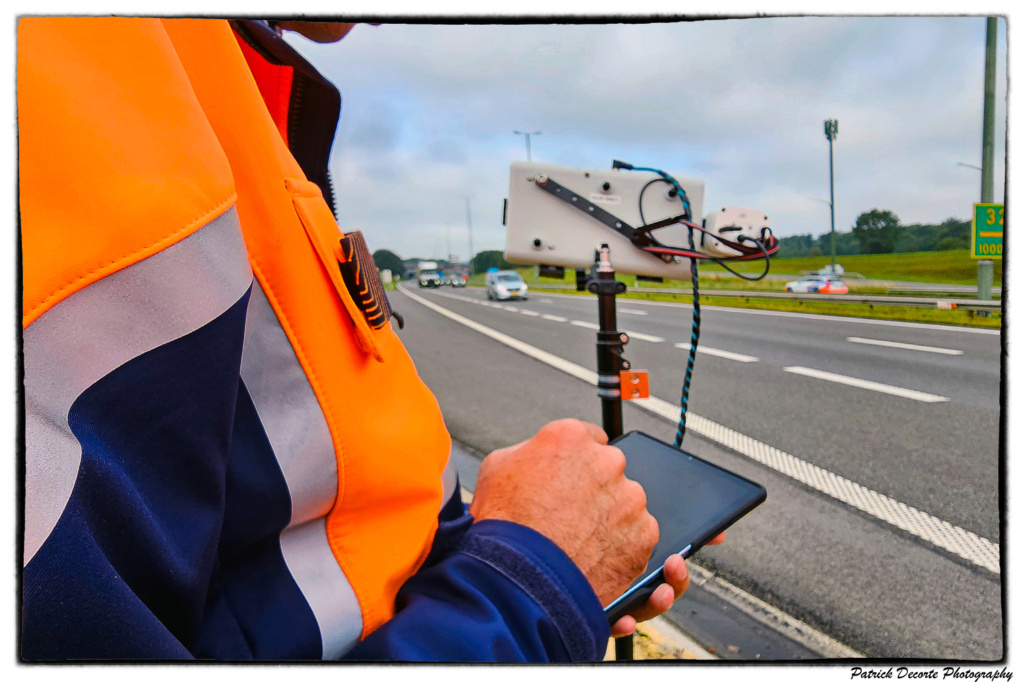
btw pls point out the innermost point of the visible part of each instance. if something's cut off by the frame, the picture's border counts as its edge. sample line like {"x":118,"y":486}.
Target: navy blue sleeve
{"x":492,"y":591}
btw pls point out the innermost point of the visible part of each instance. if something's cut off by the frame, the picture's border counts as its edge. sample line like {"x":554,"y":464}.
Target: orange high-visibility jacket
{"x":226,"y":453}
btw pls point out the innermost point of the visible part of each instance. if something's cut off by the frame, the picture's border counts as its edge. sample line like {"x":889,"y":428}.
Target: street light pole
{"x":831,"y":132}
{"x":529,"y":157}
{"x":469,"y":226}
{"x":988,"y":125}
{"x":989,"y":114}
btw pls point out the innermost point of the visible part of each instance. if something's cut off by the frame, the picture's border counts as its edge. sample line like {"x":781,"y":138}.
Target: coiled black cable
{"x":694,"y":278}
{"x":762,"y":248}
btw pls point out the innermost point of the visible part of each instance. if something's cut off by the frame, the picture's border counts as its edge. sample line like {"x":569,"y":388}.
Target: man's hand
{"x":677,"y":579}
{"x":568,"y":484}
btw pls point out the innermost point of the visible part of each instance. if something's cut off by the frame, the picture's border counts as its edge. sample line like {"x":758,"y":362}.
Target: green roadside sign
{"x":987,"y":232}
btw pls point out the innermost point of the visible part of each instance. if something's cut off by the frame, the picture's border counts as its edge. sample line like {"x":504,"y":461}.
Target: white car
{"x":505,"y":285}
{"x":817,"y":284}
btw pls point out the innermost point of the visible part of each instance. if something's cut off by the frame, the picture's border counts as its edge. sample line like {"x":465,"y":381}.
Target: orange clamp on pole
{"x":635,"y":384}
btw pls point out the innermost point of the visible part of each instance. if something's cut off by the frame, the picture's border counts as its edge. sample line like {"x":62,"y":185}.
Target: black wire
{"x":695,"y":280}
{"x":764,"y":253}
{"x":640,"y":201}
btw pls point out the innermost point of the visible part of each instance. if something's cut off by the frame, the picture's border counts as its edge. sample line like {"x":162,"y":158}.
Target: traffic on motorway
{"x":877,"y":441}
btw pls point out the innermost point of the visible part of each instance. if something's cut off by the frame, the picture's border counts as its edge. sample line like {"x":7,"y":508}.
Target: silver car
{"x":505,"y":285}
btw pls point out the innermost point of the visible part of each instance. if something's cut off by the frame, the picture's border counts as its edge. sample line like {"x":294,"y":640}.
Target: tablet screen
{"x":689,"y":497}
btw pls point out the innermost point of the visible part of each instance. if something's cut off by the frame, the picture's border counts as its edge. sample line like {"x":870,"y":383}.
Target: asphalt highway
{"x":878,"y":443}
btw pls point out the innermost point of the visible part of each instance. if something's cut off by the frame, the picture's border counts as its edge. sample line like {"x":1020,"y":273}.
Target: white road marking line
{"x":942,"y":534}
{"x":643,"y":337}
{"x":511,"y":308}
{"x":812,"y":316}
{"x":553,"y":318}
{"x":632,"y":312}
{"x":632,"y":335}
{"x":870,"y":385}
{"x":780,"y":621}
{"x":905,"y":346}
{"x":521,"y":346}
{"x":531,"y":313}
{"x":728,"y":355}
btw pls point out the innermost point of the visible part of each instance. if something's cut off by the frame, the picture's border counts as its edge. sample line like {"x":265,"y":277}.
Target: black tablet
{"x":692,"y":499}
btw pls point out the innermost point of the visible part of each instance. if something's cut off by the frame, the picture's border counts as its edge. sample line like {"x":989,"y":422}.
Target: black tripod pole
{"x":609,"y":363}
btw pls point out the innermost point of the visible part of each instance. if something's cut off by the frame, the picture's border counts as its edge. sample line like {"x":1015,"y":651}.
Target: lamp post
{"x":469,"y":227}
{"x":832,"y":132}
{"x":527,"y":136}
{"x":989,"y":112}
{"x":988,"y":126}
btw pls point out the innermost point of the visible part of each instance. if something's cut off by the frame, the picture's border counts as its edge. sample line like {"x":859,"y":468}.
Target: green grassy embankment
{"x":938,"y":267}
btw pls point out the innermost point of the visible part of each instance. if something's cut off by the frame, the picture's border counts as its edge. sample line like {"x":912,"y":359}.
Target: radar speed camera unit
{"x":559,"y":216}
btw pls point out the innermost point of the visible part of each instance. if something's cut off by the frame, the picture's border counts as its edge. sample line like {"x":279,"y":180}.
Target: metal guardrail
{"x":905,"y":301}
{"x":965,"y":289}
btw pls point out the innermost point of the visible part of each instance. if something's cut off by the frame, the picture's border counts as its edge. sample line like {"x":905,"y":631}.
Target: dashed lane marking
{"x":629,"y":311}
{"x":869,"y":385}
{"x":978,"y":550}
{"x":585,"y":325}
{"x":904,"y":346}
{"x":531,"y":313}
{"x":728,"y":355}
{"x":815,"y":317}
{"x":643,"y":337}
{"x":553,"y":318}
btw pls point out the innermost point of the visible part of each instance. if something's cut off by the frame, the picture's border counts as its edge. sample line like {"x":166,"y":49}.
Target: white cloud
{"x":429,"y":112}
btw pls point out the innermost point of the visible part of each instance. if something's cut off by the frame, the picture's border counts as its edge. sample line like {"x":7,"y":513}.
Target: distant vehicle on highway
{"x":427,"y":274}
{"x":505,"y":284}
{"x":818,"y":284}
{"x":455,"y":280}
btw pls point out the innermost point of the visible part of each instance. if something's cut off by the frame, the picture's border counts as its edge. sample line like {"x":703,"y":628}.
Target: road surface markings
{"x":531,"y":313}
{"x":632,"y":312}
{"x":780,"y":621}
{"x":585,"y":325}
{"x":978,"y":550}
{"x":553,"y":318}
{"x":904,"y":346}
{"x":811,"y":316}
{"x":643,"y":337}
{"x":870,"y":385}
{"x":728,"y":355}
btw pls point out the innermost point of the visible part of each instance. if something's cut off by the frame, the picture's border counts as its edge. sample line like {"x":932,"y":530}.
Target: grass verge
{"x":934,"y":267}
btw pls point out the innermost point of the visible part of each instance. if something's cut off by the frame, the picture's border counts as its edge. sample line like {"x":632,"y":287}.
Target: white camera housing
{"x":730,"y":223}
{"x":545,"y":230}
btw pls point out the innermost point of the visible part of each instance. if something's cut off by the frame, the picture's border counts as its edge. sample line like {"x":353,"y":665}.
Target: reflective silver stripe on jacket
{"x":96,"y":330}
{"x":449,"y":480}
{"x":298,"y":433}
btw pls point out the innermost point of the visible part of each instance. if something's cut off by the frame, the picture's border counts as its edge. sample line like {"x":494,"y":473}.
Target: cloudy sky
{"x":429,"y":111}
